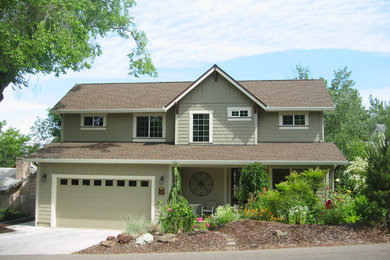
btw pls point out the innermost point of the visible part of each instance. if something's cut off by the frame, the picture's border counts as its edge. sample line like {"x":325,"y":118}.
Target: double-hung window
{"x":93,"y":122}
{"x":294,"y":120}
{"x":149,"y":127}
{"x":201,"y":127}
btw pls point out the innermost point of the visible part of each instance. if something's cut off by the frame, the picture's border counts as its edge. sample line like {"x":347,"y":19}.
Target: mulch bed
{"x":186,"y":242}
{"x":250,"y":234}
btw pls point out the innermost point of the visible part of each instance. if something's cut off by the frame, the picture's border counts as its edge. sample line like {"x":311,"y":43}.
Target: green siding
{"x":119,"y":129}
{"x":170,"y":127}
{"x":269,"y":129}
{"x":217,"y":96}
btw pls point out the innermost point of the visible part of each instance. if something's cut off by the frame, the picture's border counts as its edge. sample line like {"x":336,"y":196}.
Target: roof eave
{"x":90,"y":111}
{"x":277,"y":109}
{"x":187,"y":162}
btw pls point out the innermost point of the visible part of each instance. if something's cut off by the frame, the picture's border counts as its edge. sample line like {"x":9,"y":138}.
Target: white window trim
{"x":55,"y":177}
{"x":210,"y":125}
{"x":239,"y":118}
{"x":293,"y":127}
{"x":84,"y":127}
{"x":148,"y":139}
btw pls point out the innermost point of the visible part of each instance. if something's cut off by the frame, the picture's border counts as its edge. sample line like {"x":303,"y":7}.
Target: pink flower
{"x":328,"y":188}
{"x":169,"y":209}
{"x":207,"y":225}
{"x":199,"y":219}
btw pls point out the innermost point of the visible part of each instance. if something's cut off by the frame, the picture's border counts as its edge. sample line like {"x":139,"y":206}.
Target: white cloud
{"x":21,"y":113}
{"x":186,"y":33}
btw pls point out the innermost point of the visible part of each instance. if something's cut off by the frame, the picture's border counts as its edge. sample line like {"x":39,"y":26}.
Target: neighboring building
{"x":120,"y":142}
{"x":17,"y":187}
{"x":379,"y":129}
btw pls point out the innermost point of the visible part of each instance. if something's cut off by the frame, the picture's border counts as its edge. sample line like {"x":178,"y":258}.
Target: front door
{"x":234,"y":180}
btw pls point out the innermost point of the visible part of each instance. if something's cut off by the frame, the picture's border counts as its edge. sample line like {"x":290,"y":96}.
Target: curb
{"x":18,"y":221}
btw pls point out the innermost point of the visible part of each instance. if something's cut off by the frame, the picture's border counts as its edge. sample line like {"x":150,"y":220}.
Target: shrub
{"x":223,"y":215}
{"x":340,"y":208}
{"x":137,"y":225}
{"x":253,"y":178}
{"x":292,"y":201}
{"x":8,"y":214}
{"x":177,"y":216}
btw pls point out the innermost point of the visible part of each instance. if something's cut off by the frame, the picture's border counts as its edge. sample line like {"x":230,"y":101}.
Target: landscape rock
{"x":108,"y":243}
{"x":168,"y":238}
{"x":279,"y":233}
{"x":111,"y":238}
{"x":124,"y":239}
{"x":144,"y":239}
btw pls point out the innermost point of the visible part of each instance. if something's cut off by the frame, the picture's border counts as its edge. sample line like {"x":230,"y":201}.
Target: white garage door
{"x":101,"y":203}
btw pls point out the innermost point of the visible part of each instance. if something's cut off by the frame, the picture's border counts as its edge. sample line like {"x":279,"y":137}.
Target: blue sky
{"x":248,"y":39}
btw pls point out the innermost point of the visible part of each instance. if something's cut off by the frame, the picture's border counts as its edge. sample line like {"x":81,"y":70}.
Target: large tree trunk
{"x":4,"y":82}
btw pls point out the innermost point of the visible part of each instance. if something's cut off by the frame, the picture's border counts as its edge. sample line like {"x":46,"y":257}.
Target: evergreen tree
{"x":378,"y":173}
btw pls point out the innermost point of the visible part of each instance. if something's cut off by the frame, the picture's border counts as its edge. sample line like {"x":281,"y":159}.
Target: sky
{"x":248,"y":39}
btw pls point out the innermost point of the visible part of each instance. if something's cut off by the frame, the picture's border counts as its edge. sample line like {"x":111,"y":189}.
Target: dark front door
{"x":235,"y":178}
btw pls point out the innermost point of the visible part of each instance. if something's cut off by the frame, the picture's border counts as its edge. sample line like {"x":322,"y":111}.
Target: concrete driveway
{"x":30,"y":240}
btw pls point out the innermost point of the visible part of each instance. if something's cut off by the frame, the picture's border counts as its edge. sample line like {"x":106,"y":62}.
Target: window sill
{"x":293,"y":127}
{"x":200,"y":143}
{"x":93,"y":128}
{"x":239,"y":119}
{"x":148,"y":140}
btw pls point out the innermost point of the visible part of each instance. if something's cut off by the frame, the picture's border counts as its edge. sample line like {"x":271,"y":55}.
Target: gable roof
{"x":311,"y":154}
{"x":271,"y":95}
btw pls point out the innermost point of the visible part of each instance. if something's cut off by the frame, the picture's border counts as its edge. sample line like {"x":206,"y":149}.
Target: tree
{"x":13,"y":144}
{"x":47,"y":130}
{"x":56,"y":35}
{"x":348,"y":125}
{"x":378,"y":173}
{"x":378,"y":110}
{"x":253,"y":178}
{"x":303,"y":72}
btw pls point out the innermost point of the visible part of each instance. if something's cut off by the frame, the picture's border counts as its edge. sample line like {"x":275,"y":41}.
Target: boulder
{"x":124,"y":239}
{"x":167,"y":238}
{"x":108,"y":243}
{"x":144,"y":239}
{"x":279,"y":233}
{"x":111,"y":238}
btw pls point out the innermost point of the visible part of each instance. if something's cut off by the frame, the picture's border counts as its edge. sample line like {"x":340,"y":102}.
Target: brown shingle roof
{"x":156,"y":95}
{"x":290,"y":93}
{"x":269,"y":153}
{"x":120,"y":95}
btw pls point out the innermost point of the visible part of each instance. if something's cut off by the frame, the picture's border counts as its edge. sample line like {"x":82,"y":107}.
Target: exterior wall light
{"x":44,"y":177}
{"x":161,"y":180}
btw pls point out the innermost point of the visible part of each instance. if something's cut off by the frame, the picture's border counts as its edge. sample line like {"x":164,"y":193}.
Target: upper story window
{"x":201,"y":126}
{"x":93,"y":122}
{"x":239,"y":113}
{"x":294,"y":120}
{"x":150,"y":127}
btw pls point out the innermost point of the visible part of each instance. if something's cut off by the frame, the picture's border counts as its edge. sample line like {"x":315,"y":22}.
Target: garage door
{"x":101,"y":203}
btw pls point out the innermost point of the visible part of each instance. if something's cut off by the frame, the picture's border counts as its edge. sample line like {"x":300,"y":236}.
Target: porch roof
{"x":161,"y":153}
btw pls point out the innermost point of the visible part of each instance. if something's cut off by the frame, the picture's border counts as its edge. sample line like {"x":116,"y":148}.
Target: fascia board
{"x":184,"y":162}
{"x":90,"y":111}
{"x":281,"y":109}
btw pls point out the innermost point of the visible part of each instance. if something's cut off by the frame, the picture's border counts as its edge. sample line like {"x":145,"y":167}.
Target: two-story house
{"x":121,"y":141}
